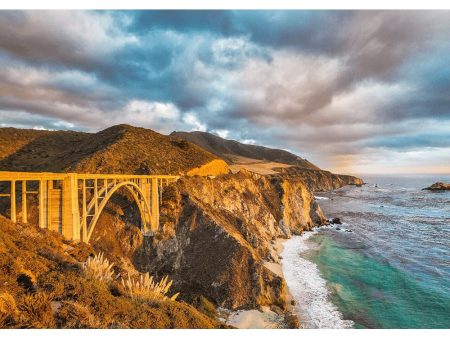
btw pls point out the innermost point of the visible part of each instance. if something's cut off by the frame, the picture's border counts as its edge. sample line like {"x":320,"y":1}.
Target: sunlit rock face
{"x":216,"y":234}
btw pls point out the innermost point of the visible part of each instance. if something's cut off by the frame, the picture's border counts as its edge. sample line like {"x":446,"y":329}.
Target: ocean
{"x":386,"y":266}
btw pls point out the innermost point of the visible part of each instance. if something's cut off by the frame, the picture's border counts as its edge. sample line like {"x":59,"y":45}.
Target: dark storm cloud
{"x":324,"y":83}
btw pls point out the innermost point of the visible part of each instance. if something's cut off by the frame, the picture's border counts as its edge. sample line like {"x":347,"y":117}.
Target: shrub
{"x":72,"y":315}
{"x":36,"y":311}
{"x":98,"y":268}
{"x":27,"y":280}
{"x":8,"y":310}
{"x":146,"y":289}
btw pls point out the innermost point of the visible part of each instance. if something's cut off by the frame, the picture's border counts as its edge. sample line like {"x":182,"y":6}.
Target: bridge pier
{"x":155,"y":205}
{"x":70,"y":208}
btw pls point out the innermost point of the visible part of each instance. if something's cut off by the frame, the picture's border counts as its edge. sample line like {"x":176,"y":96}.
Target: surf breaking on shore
{"x":308,"y":288}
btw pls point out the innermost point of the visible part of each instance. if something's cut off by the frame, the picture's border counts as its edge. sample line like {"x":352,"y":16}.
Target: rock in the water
{"x":439,"y":186}
{"x":338,"y":229}
{"x":336,"y":220}
{"x":292,"y":321}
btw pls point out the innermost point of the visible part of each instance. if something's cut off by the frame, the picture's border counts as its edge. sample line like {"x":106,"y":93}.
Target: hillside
{"x":267,"y":161}
{"x":233,"y":151}
{"x":43,"y":285}
{"x":118,"y":149}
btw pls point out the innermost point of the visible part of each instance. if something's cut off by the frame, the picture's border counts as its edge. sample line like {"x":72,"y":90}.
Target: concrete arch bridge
{"x":72,"y":203}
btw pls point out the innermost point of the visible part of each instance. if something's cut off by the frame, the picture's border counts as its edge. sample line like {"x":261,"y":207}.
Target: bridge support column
{"x":155,"y":205}
{"x":70,"y":208}
{"x":13,"y":201}
{"x":24,"y":202}
{"x":43,"y":204}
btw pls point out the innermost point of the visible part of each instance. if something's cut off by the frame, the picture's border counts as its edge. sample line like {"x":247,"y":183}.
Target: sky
{"x":351,"y":91}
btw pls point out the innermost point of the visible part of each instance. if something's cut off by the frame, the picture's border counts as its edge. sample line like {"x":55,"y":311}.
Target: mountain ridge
{"x":228,"y":150}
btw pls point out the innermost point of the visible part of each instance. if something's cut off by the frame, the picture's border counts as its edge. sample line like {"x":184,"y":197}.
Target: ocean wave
{"x":321,"y":198}
{"x":308,"y":288}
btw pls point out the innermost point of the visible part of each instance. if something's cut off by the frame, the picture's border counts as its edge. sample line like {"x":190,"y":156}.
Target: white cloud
{"x":193,"y":122}
{"x":223,"y":133}
{"x":160,"y":116}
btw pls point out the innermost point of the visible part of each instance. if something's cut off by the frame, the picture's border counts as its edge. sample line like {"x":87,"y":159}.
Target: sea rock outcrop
{"x":438,"y":186}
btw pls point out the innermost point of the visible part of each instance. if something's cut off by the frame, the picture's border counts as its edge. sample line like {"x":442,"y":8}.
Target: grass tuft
{"x":98,"y":268}
{"x":145,"y":288}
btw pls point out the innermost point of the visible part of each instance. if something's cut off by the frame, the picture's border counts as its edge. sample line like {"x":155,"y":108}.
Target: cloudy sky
{"x":352,"y":91}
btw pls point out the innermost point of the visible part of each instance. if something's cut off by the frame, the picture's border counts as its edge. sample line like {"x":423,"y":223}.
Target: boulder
{"x":336,"y":220}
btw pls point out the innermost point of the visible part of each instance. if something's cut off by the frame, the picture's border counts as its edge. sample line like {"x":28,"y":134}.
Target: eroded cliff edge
{"x":319,"y":180}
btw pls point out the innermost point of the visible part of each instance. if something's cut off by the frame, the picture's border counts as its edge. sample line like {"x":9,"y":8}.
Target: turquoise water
{"x":393,"y":269}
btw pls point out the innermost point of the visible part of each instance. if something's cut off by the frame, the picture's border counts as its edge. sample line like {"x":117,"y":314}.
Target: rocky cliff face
{"x":217,"y":233}
{"x":319,"y":180}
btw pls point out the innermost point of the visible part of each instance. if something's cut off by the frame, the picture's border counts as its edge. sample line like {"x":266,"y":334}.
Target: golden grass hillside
{"x":43,"y":285}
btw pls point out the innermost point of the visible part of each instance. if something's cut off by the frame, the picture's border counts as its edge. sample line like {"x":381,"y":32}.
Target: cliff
{"x":217,"y":233}
{"x":319,"y":180}
{"x":215,"y":237}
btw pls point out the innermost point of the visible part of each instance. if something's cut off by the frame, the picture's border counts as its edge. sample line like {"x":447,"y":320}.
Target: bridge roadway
{"x":72,"y":203}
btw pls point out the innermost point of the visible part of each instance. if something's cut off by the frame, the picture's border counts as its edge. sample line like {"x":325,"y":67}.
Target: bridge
{"x":72,"y":203}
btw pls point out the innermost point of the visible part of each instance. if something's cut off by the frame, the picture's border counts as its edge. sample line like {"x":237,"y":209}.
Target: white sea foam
{"x":308,"y":288}
{"x":321,"y":198}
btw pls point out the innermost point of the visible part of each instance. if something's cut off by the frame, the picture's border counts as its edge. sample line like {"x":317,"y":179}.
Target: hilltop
{"x":118,"y":149}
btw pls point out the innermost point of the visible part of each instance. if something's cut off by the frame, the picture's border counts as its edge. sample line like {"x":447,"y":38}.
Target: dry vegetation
{"x":47,"y":282}
{"x":98,"y":268}
{"x":144,"y":288}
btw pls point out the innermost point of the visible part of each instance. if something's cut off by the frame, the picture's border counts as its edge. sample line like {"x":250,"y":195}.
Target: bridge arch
{"x":138,"y":196}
